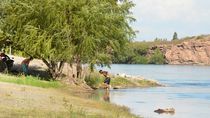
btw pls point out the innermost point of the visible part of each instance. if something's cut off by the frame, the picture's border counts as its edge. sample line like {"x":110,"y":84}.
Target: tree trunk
{"x":54,"y":68}
{"x":79,"y":69}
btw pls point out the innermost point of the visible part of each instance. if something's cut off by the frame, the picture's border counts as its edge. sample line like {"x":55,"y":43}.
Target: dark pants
{"x":107,"y":80}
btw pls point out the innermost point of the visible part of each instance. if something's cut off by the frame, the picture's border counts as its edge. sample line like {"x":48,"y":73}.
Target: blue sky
{"x":161,"y":18}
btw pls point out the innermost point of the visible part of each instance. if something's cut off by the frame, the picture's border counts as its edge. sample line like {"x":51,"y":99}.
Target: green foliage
{"x":140,"y":48}
{"x":94,"y":80}
{"x":140,"y":60}
{"x":74,"y":31}
{"x":135,"y":53}
{"x":175,"y":36}
{"x":157,"y":57}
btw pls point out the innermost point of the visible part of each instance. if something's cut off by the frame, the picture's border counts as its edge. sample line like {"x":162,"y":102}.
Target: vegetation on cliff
{"x":153,"y":52}
{"x":138,"y":53}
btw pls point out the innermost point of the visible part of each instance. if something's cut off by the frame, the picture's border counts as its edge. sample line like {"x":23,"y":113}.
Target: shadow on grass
{"x":33,"y":71}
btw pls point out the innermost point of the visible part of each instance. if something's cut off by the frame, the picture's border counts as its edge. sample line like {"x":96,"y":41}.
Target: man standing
{"x":106,"y":80}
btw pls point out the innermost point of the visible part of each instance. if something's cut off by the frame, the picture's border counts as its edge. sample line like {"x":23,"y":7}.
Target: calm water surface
{"x":188,"y":90}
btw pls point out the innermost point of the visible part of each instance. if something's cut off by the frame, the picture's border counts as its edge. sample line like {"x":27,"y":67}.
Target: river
{"x":187,"y":90}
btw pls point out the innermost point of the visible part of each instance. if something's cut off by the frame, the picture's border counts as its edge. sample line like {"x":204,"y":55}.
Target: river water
{"x":187,"y":90}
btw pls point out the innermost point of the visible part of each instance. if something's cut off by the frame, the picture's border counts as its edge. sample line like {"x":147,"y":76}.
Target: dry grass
{"x":21,"y":101}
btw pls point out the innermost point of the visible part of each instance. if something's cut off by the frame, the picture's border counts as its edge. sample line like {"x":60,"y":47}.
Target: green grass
{"x":147,"y":83}
{"x":120,"y":81}
{"x":30,"y":80}
{"x":94,"y":80}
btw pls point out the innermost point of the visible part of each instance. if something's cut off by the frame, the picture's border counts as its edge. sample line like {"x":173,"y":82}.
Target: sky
{"x":161,"y":18}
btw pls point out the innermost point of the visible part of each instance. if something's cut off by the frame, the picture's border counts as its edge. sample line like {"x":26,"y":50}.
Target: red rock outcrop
{"x":195,"y":51}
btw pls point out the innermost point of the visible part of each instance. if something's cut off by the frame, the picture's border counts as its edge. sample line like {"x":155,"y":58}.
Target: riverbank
{"x":51,"y":101}
{"x":94,"y":80}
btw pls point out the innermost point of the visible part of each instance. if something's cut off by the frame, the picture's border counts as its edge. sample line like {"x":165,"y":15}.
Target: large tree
{"x":73,"y":31}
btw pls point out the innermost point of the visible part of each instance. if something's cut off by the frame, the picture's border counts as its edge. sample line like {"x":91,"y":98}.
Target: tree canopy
{"x":175,"y":36}
{"x":73,"y":31}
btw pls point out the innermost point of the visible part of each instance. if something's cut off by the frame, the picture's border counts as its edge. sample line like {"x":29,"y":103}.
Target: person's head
{"x":105,"y":73}
{"x":100,"y":71}
{"x":2,"y":54}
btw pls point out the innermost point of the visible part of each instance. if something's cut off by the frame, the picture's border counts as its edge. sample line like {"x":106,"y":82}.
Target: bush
{"x":157,"y":57}
{"x":140,"y":60}
{"x":94,"y":80}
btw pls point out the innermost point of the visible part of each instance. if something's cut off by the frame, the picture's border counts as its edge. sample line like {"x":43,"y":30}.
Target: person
{"x":25,"y":64}
{"x":7,"y":63}
{"x":4,"y":57}
{"x":100,"y":71}
{"x":107,"y":79}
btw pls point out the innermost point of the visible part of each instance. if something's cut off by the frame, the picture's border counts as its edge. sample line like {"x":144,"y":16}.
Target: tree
{"x":157,"y":57}
{"x":175,"y":36}
{"x":73,"y":31}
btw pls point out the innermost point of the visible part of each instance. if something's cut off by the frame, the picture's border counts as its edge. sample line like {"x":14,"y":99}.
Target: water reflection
{"x":100,"y":95}
{"x":106,"y":96}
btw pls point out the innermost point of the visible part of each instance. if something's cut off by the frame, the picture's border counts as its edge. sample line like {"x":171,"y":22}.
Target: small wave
{"x":193,"y":84}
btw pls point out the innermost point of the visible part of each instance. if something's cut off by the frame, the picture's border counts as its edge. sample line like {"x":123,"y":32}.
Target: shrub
{"x":157,"y":57}
{"x":140,"y":60}
{"x":94,"y":80}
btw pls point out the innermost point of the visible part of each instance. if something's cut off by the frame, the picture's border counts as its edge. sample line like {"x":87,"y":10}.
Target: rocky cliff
{"x":193,"y":51}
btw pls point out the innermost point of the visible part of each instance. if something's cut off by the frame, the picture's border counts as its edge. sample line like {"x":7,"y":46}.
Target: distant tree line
{"x":138,"y":53}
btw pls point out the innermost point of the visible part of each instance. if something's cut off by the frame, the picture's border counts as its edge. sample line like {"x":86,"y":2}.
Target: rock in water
{"x":167,"y":110}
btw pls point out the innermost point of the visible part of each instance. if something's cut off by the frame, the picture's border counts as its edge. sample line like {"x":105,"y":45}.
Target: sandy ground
{"x":35,"y":63}
{"x":17,"y":100}
{"x":21,"y":101}
{"x":24,"y":97}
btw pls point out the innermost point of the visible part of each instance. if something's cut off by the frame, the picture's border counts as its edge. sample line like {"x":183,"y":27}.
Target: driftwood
{"x":167,"y":110}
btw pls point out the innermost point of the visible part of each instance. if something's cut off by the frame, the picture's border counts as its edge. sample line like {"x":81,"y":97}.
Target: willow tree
{"x":40,"y":29}
{"x":73,"y":31}
{"x":101,"y":27}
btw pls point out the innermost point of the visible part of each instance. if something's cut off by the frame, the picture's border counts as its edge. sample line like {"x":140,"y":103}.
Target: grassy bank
{"x":95,"y":79}
{"x":29,"y":80}
{"x":51,"y":100}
